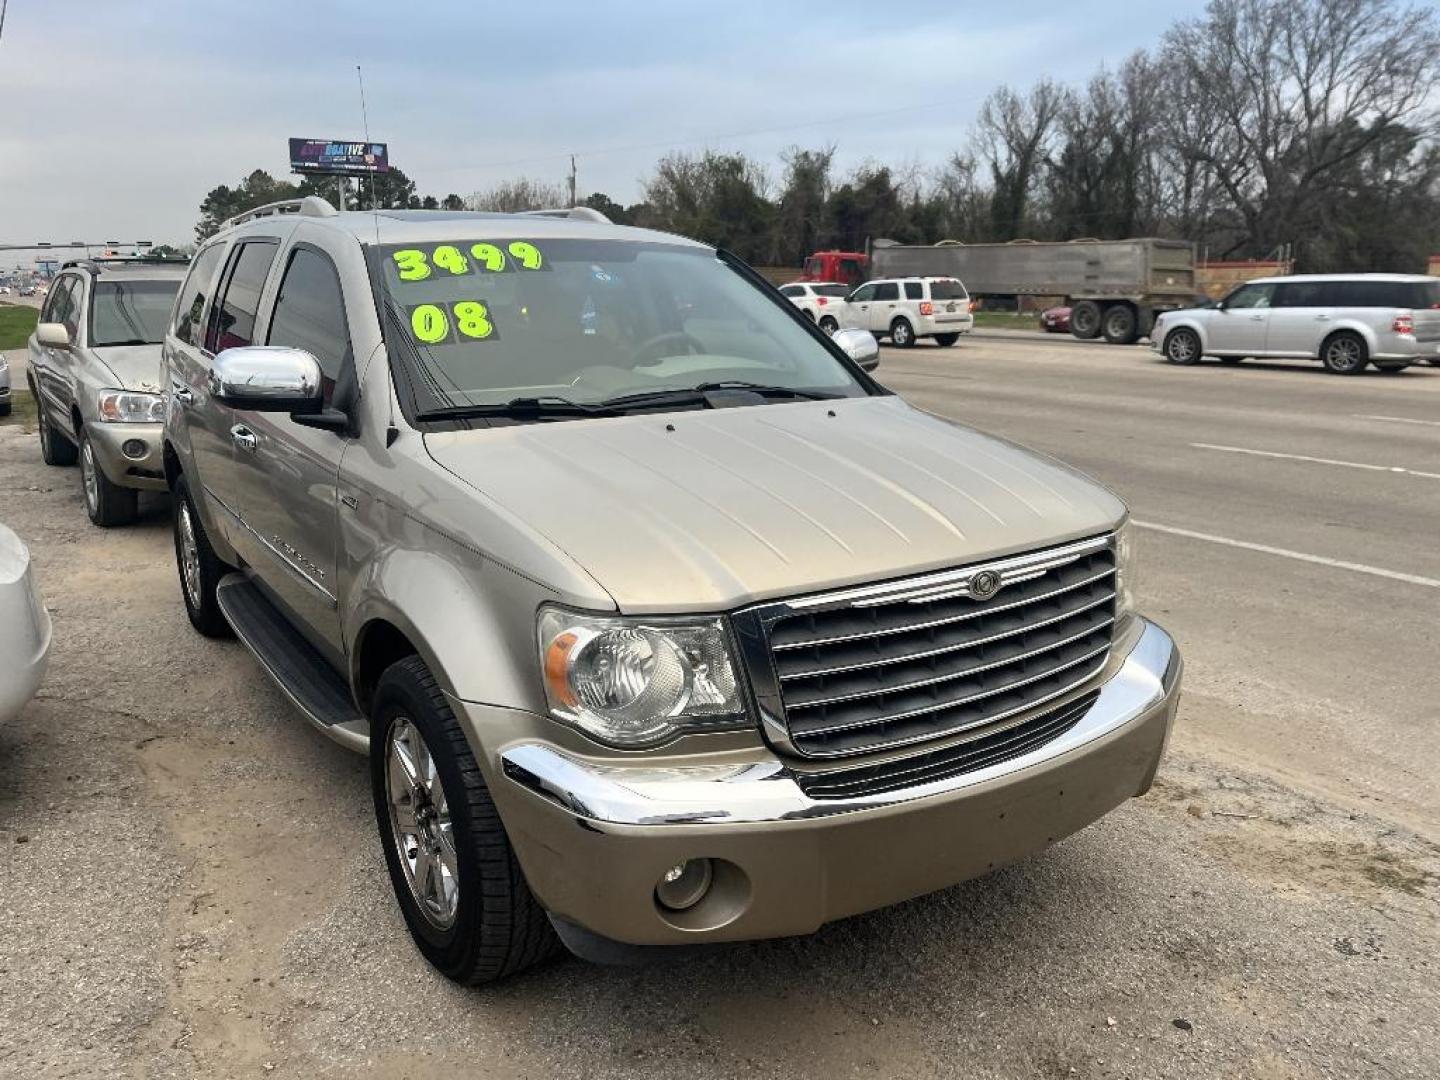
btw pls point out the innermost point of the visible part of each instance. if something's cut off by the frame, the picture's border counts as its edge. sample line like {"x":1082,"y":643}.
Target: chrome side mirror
{"x":266,"y":378}
{"x":860,"y":346}
{"x":52,"y":335}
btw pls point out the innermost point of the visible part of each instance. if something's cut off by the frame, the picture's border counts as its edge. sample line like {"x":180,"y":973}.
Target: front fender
{"x":473,"y":623}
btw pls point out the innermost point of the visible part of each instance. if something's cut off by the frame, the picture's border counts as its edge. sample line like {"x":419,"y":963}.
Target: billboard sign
{"x":329,"y":158}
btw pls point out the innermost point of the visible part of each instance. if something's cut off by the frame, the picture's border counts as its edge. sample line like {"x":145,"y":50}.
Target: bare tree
{"x":1013,"y":135}
{"x":513,"y":196}
{"x":1297,"y":91}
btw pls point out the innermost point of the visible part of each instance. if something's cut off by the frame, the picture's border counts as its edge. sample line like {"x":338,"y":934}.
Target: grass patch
{"x":1007,"y":320}
{"x":17,"y":323}
{"x":22,"y":409}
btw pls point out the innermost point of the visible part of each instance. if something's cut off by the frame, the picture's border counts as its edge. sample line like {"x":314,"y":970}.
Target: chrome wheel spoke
{"x":420,"y":821}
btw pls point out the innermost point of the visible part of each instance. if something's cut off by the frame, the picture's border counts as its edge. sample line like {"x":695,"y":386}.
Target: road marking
{"x":1317,"y":460}
{"x":1397,"y":419}
{"x":1300,"y":556}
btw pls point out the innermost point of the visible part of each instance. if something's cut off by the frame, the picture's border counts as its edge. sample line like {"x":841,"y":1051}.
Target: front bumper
{"x":146,"y":470}
{"x":594,"y":836}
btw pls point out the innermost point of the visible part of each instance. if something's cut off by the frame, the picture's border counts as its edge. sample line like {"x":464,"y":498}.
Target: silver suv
{"x":660,"y":620}
{"x":1344,"y":321}
{"x":94,"y":369}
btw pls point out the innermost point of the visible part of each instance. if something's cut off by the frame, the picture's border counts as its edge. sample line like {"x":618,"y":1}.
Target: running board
{"x":310,"y":683}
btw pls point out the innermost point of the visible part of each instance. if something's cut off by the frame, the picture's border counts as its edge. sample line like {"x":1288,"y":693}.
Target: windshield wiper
{"x":698,"y":395}
{"x":519,"y":408}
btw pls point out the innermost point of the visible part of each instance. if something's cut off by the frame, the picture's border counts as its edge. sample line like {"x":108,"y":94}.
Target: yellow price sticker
{"x":410,"y":264}
{"x":448,"y":257}
{"x":489,"y":257}
{"x":438,"y":324}
{"x":526,"y":254}
{"x":429,"y":323}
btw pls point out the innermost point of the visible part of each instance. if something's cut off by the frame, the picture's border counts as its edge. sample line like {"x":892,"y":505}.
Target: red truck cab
{"x":851,"y":267}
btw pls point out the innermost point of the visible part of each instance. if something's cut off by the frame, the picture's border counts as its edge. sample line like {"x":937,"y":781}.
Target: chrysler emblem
{"x":984,"y":585}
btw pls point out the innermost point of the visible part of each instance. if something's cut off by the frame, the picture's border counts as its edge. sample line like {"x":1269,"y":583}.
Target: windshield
{"x":831,"y":290}
{"x":485,"y":322}
{"x":131,"y":312}
{"x":947,"y":290}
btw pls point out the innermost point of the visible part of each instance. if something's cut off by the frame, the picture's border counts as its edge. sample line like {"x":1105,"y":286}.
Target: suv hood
{"x":745,"y":504}
{"x":136,"y":367}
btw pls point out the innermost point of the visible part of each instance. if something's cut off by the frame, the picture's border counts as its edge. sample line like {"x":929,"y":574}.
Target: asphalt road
{"x":190,"y":882}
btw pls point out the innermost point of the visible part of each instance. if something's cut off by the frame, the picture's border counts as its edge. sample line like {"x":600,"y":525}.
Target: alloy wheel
{"x":1181,"y":347}
{"x":189,"y":558}
{"x":88,"y":477}
{"x":1343,"y":354}
{"x":420,"y":824}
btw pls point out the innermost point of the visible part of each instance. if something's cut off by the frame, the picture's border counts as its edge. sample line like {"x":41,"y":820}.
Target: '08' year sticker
{"x":451,"y":323}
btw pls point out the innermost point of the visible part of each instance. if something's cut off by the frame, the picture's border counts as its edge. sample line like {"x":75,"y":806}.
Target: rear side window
{"x":914,"y":290}
{"x":887,"y":290}
{"x":1304,"y":294}
{"x":310,"y":313}
{"x":830,"y":290}
{"x":792,"y":290}
{"x":232,"y":320}
{"x":1377,"y":294}
{"x":194,"y":293}
{"x":948,"y":289}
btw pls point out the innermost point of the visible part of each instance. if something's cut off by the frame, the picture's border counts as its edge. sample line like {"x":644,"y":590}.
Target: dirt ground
{"x":190,"y":885}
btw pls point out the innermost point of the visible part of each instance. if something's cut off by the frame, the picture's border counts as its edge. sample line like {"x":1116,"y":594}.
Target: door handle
{"x":243,"y":437}
{"x":1257,"y":318}
{"x":1322,"y":318}
{"x":182,"y":393}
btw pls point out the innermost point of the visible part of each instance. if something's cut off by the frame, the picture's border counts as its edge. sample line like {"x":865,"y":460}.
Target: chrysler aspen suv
{"x":661,"y":622}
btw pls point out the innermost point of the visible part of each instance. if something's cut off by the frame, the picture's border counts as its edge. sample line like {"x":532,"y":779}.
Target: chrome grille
{"x":884,"y":666}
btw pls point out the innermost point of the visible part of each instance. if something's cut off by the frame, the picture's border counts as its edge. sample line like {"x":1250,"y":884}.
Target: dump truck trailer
{"x":1114,"y":287}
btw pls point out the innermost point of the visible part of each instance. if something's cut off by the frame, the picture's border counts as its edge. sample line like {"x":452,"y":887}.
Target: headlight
{"x":636,"y":682}
{"x":129,"y":407}
{"x":1124,"y":569}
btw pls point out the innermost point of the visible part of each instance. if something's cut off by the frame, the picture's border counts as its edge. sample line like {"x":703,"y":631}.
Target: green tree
{"x":598,"y":200}
{"x":866,"y":207}
{"x":800,"y":215}
{"x":224,"y":202}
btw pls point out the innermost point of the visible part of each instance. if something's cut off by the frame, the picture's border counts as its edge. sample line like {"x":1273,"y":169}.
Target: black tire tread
{"x":114,"y":505}
{"x":209,"y":621}
{"x":514,"y":931}
{"x":55,"y":449}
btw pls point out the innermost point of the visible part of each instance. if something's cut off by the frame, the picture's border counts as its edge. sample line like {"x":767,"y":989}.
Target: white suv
{"x":1344,"y":321}
{"x":904,"y":309}
{"x":823,"y":302}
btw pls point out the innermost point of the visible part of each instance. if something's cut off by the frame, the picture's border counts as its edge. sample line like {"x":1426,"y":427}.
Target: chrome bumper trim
{"x":1148,"y":679}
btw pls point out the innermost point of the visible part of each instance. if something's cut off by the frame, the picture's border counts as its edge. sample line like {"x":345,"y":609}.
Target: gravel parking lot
{"x":191,"y":883}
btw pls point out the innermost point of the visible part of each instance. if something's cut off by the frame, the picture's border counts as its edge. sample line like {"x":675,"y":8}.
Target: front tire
{"x":1182,"y":346}
{"x":107,"y":503}
{"x":902,"y":334}
{"x":946,"y":340}
{"x":1344,"y":353}
{"x":200,"y":568}
{"x":455,"y":875}
{"x":829,"y":325}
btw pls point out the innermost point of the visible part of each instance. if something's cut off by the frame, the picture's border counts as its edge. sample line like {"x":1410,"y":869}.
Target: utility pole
{"x":572,"y":180}
{"x":340,"y":183}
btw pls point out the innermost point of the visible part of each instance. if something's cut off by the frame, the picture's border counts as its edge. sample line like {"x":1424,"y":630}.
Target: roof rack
{"x":309,"y":206}
{"x":574,"y":213}
{"x":93,"y":263}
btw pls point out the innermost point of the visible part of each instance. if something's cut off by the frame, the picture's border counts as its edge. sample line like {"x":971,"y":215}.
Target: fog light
{"x":684,"y":885}
{"x":134,"y":448}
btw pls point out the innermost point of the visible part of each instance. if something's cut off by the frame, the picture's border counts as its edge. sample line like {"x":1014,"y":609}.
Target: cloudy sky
{"x":117,"y":116}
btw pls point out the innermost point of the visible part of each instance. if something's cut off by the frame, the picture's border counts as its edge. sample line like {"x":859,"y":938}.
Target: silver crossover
{"x":95,"y":373}
{"x":660,"y":620}
{"x":1345,"y":321}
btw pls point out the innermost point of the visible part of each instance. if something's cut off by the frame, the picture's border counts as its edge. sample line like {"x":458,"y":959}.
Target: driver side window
{"x":1251,"y":296}
{"x":862,"y":294}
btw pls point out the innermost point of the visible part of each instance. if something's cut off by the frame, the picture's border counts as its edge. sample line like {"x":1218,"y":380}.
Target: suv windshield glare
{"x":485,"y":322}
{"x":131,"y":312}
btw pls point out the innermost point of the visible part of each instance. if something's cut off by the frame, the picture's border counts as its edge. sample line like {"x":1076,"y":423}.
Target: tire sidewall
{"x":399,"y":695}
{"x":1350,"y":336}
{"x":1178,"y":334}
{"x":829,"y":325}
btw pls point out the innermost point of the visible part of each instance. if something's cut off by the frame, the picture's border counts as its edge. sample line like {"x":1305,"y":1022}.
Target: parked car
{"x":1345,"y":321}
{"x":95,"y":374}
{"x":27,"y":290}
{"x":24,"y":627}
{"x":906,"y":309}
{"x":5,"y":401}
{"x":662,"y":623}
{"x":1056,"y":320}
{"x":4,"y":290}
{"x":823,"y":302}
